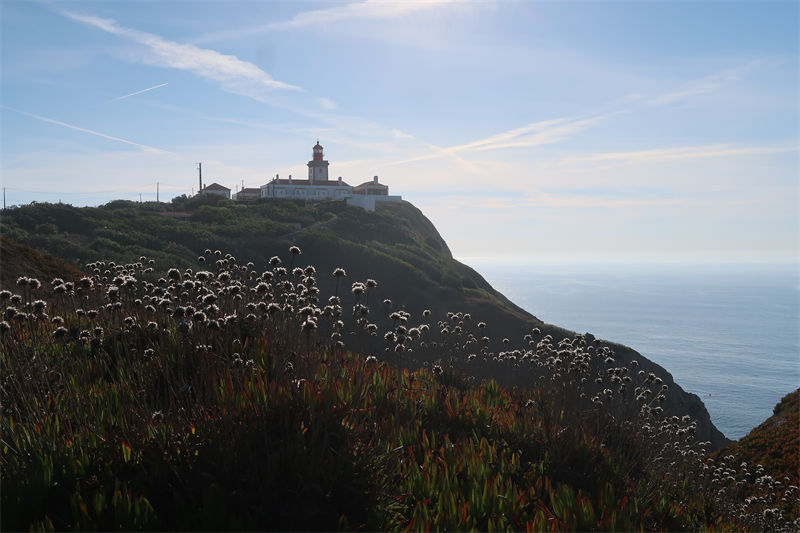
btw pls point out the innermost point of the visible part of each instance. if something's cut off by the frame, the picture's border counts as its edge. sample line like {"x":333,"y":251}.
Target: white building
{"x":316,"y":187}
{"x":216,"y":188}
{"x":369,"y":193}
{"x":372,"y":188}
{"x":319,"y":187}
{"x":247,"y":193}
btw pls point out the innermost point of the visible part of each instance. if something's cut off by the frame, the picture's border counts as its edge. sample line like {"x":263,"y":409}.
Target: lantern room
{"x":317,"y":167}
{"x":317,"y":152}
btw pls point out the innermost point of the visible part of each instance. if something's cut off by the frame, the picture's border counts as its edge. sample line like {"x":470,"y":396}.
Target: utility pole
{"x":157,"y":184}
{"x":4,"y":197}
{"x":140,"y":197}
{"x":200,"y":174}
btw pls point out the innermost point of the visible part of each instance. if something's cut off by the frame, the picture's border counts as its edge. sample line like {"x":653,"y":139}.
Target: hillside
{"x":397,"y":242}
{"x":20,"y":260}
{"x":236,"y":397}
{"x":774,"y":445}
{"x":396,"y":245}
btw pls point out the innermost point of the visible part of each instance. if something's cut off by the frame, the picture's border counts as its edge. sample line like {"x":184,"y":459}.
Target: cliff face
{"x":395,"y":245}
{"x":374,"y":253}
{"x":678,"y":401}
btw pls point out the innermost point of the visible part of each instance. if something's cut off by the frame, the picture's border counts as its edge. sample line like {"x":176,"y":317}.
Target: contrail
{"x":137,"y":92}
{"x":78,"y":128}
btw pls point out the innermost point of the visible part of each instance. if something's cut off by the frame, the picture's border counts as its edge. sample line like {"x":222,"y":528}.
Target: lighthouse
{"x":319,"y":188}
{"x":317,"y":167}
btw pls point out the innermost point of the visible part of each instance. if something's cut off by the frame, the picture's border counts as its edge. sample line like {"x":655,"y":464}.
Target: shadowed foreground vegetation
{"x":396,"y":244}
{"x":238,"y":398}
{"x":771,"y":451}
{"x":19,"y":260}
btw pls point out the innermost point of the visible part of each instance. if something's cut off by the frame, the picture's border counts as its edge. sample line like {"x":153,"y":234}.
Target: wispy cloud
{"x":137,"y":92}
{"x":561,"y":129}
{"x":143,"y":147}
{"x":400,"y":134}
{"x":677,"y":153}
{"x":326,"y":103}
{"x":707,"y":84}
{"x":546,"y":200}
{"x":694,"y":88}
{"x":233,"y":74}
{"x":534,"y":134}
{"x":366,"y":10}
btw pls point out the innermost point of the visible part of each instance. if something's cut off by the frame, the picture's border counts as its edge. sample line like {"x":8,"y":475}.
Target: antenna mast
{"x":200,"y":175}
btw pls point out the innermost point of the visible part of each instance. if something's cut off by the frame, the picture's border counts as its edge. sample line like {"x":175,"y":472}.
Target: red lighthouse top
{"x":317,"y":152}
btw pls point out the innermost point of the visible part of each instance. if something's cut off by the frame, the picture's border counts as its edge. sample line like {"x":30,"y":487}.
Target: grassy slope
{"x":245,"y":427}
{"x":775,"y":444}
{"x":396,"y":245}
{"x":337,"y":443}
{"x":131,"y":419}
{"x":20,"y":260}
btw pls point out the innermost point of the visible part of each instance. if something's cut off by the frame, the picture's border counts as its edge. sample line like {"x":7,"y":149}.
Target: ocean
{"x":728,"y":333}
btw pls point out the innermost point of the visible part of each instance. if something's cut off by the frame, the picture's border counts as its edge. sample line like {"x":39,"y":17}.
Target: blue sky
{"x":523,"y":130}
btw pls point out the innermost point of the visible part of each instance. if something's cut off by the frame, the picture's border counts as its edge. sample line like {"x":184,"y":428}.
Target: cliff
{"x":395,"y":245}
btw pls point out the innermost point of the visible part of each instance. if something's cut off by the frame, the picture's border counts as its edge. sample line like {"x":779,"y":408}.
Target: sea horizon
{"x":726,"y":331}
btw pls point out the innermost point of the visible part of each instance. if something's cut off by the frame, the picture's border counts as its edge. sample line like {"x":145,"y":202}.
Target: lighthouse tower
{"x":317,"y":167}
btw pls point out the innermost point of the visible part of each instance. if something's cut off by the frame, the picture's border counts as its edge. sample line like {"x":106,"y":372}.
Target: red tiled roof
{"x":368,"y":183}
{"x":216,"y":187}
{"x":329,"y":183}
{"x":250,"y":190}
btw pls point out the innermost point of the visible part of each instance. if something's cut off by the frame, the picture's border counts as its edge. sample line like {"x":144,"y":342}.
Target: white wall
{"x":368,"y":202}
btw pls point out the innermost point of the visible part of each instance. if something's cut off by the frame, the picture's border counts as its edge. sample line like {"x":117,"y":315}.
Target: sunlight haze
{"x":523,"y":130}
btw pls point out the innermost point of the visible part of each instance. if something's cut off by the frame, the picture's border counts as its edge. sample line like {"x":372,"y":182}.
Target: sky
{"x":526,"y":131}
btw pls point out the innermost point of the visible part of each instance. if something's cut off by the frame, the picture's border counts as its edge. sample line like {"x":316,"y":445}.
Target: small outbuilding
{"x":216,"y":188}
{"x":248,"y":193}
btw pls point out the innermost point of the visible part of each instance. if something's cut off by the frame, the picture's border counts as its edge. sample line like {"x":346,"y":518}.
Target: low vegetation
{"x":229,"y":396}
{"x":765,"y":463}
{"x":396,"y":244}
{"x":396,"y":239}
{"x":20,"y":260}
